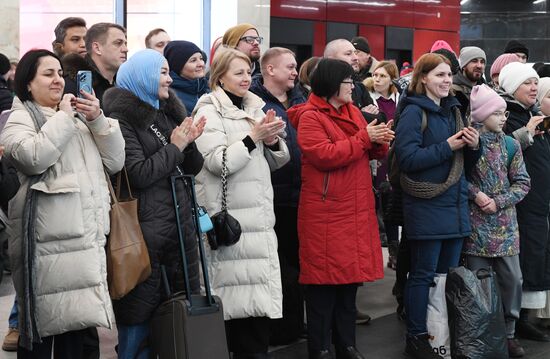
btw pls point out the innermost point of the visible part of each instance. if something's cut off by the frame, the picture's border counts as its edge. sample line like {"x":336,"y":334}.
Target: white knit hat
{"x":513,"y":75}
{"x":544,"y":88}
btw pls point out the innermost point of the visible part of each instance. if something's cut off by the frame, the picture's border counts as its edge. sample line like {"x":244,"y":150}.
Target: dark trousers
{"x":330,"y":310}
{"x":247,"y":335}
{"x":291,"y":325}
{"x":403,"y":267}
{"x":428,"y":257}
{"x":65,"y":346}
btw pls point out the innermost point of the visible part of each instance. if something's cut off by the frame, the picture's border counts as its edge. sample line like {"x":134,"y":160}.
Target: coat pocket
{"x":59,"y":208}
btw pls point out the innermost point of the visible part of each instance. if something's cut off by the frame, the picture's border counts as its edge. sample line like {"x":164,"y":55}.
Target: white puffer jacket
{"x":246,"y":275}
{"x":72,"y":218}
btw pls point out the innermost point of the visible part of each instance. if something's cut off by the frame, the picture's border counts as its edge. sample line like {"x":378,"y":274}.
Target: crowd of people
{"x":302,"y":153}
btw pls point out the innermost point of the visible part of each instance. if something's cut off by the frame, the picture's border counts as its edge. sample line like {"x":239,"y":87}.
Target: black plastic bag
{"x":476,"y":318}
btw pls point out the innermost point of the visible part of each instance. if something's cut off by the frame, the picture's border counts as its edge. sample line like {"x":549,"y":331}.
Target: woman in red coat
{"x":337,"y":226}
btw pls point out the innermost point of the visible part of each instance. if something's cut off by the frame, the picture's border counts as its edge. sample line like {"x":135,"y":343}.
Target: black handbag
{"x":227,"y":230}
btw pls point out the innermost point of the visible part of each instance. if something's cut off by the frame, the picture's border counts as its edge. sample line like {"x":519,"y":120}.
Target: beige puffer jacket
{"x":72,"y":218}
{"x":246,"y":275}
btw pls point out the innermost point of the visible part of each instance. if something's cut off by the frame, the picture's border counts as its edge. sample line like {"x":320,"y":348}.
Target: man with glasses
{"x":516,"y":47}
{"x":472,"y":67}
{"x":245,"y":38}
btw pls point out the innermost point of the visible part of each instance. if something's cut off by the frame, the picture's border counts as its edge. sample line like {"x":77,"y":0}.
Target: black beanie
{"x":178,"y":53}
{"x":514,"y":46}
{"x":5,"y":65}
{"x":360,"y":43}
{"x":455,"y":66}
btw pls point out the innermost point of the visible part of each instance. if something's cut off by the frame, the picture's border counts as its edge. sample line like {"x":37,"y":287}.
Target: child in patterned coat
{"x":496,"y":184}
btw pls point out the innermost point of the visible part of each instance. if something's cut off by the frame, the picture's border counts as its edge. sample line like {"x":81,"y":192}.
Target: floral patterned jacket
{"x":496,"y":235}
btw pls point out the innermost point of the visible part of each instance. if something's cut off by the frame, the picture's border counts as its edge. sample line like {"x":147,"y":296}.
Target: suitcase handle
{"x":189,"y":183}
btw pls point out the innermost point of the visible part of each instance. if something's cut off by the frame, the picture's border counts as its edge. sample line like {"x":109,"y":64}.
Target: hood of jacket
{"x":193,"y":87}
{"x":316,"y":103}
{"x":427,"y":104}
{"x":226,"y":108}
{"x":117,"y":100}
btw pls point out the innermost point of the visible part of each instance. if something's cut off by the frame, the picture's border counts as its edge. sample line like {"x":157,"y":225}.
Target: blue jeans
{"x":427,"y":258}
{"x":130,"y":339}
{"x":13,"y":321}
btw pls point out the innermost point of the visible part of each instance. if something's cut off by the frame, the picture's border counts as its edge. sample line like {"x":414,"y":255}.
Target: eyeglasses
{"x":349,"y":82}
{"x":251,"y":39}
{"x":504,"y":114}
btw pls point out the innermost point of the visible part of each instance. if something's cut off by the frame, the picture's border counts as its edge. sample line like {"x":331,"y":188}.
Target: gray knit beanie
{"x":470,"y":53}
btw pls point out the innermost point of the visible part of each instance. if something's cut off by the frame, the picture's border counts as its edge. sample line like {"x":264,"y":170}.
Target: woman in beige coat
{"x":246,"y":275}
{"x":59,"y":218}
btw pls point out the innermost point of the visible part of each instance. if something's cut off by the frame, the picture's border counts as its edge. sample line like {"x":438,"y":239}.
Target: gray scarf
{"x":28,"y":333}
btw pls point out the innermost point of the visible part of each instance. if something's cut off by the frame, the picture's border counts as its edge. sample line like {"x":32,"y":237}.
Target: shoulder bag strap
{"x":224,"y":180}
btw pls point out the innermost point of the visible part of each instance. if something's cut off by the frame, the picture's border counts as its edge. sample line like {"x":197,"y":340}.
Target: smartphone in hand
{"x":84,"y":82}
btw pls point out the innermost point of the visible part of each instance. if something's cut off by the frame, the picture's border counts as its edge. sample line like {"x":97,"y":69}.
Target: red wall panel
{"x":424,"y":39}
{"x":444,"y":15}
{"x":299,"y":9}
{"x":389,"y":13}
{"x":320,"y":38}
{"x":376,"y":35}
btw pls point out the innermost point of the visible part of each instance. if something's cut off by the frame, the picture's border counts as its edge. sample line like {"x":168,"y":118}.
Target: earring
{"x":221,"y":84}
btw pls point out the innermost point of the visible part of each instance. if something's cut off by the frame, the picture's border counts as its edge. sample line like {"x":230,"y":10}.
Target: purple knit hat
{"x":483,"y":102}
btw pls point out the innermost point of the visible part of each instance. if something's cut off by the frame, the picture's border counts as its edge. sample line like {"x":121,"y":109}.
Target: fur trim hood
{"x":132,"y":109}
{"x":72,"y":63}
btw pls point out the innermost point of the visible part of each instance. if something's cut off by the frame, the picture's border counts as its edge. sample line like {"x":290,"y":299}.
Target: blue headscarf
{"x":141,"y":75}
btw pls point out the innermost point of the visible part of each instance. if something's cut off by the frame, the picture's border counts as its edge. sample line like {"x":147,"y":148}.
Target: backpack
{"x":510,"y":150}
{"x":394,"y":173}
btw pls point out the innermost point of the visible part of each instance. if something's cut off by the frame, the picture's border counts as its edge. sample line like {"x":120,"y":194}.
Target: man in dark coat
{"x":472,"y":66}
{"x":367,"y":62}
{"x":106,"y":48}
{"x":278,"y":66}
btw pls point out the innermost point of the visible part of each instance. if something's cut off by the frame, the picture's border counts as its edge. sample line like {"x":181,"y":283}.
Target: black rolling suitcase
{"x":189,"y":327}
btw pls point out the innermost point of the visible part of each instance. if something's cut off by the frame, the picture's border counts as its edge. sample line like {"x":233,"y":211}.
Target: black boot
{"x":320,"y":354}
{"x":419,"y":347}
{"x":348,"y":353}
{"x":526,"y":330}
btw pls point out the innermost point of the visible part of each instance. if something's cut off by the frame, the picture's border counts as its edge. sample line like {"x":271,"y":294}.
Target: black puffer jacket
{"x":533,"y":212}
{"x":150,"y":165}
{"x":6,"y":97}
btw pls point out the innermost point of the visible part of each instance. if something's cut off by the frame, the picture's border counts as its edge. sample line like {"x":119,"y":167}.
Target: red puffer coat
{"x":337,"y":225}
